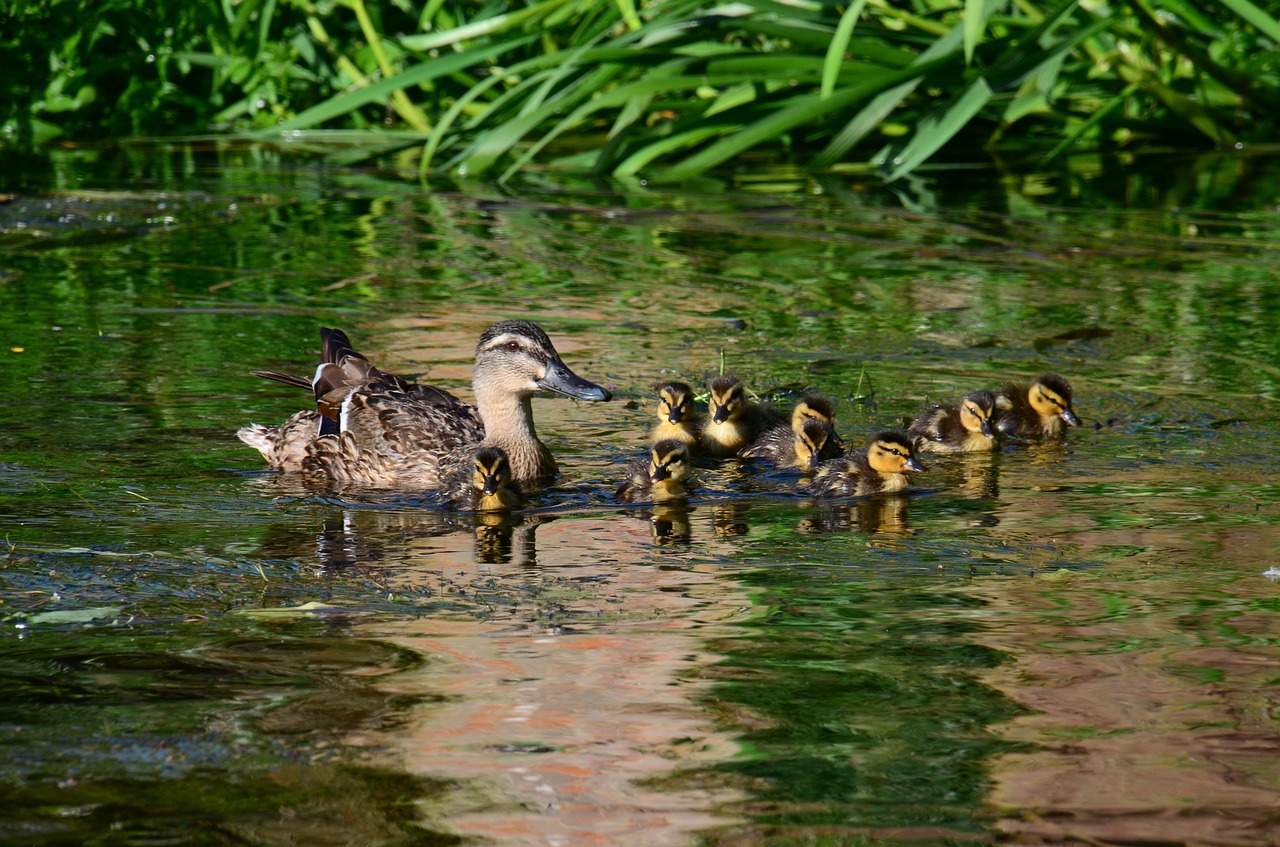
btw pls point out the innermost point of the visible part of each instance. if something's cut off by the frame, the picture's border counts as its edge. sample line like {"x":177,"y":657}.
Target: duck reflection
{"x":366,"y":537}
{"x":885,"y":514}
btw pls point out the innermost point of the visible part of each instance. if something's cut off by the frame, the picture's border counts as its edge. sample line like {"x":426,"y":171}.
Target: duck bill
{"x":490,"y":486}
{"x":674,"y":416}
{"x":914,"y":464}
{"x":987,"y":429}
{"x":1069,"y":415}
{"x":564,"y":381}
{"x":657,"y":475}
{"x":720,"y":414}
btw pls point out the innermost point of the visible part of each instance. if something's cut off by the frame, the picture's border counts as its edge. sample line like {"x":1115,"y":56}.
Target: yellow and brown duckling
{"x":488,"y":485}
{"x":732,"y":420}
{"x":881,"y":469}
{"x":375,"y":429}
{"x":965,"y":427}
{"x":1041,"y":410}
{"x":661,"y":476}
{"x":809,"y":439}
{"x":677,"y":416}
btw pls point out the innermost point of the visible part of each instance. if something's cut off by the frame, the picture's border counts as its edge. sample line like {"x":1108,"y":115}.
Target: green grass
{"x":663,"y":90}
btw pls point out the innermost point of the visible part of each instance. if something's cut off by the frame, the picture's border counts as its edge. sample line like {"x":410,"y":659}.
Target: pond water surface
{"x":1072,"y":641}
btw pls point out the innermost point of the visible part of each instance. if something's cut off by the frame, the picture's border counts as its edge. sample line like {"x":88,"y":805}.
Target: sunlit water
{"x":1071,"y":641}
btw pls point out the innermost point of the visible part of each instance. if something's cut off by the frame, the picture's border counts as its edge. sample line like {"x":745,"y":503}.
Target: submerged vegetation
{"x":659,"y":89}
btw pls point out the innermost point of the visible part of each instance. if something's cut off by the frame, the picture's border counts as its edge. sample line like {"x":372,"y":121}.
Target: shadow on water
{"x":1055,"y":642}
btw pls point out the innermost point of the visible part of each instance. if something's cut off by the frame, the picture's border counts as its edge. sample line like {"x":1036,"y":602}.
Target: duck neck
{"x":508,"y":423}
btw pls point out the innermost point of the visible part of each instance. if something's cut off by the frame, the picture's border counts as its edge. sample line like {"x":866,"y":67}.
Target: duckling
{"x":811,"y":438}
{"x":1041,"y":411}
{"x":391,"y":432}
{"x":677,"y":417}
{"x":881,"y":469}
{"x":661,"y":476}
{"x":733,"y":421}
{"x":487,"y":486}
{"x":964,"y":427}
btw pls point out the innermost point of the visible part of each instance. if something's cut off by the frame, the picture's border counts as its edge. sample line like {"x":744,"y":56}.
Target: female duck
{"x":659,"y":477}
{"x":733,"y":421}
{"x":964,"y":427}
{"x":882,"y":469}
{"x":374,"y":429}
{"x":677,"y":417}
{"x":1042,"y":410}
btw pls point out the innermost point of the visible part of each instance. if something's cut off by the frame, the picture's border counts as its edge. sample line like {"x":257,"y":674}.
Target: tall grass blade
{"x":1264,"y":23}
{"x":434,"y":69}
{"x":839,"y":43}
{"x":939,"y":128}
{"x":975,"y":22}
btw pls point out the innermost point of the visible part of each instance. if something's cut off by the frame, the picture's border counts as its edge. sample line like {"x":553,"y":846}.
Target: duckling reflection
{"x":885,"y":515}
{"x":378,"y":538}
{"x":729,"y":519}
{"x":1041,"y":410}
{"x":733,"y":421}
{"x":669,"y":523}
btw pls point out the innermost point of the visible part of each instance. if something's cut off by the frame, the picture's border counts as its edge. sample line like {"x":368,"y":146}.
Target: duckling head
{"x":1050,"y":396}
{"x":517,"y":357}
{"x":813,"y":407}
{"x":491,"y":476}
{"x":669,"y":463}
{"x":728,"y":398}
{"x":811,"y":443}
{"x":977,"y":411}
{"x":675,"y":402}
{"x":891,"y":452}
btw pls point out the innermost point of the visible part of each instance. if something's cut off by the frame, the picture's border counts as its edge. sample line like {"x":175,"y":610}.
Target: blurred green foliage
{"x":663,"y":89}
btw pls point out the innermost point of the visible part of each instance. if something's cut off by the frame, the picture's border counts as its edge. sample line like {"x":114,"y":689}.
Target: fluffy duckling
{"x":811,"y":438}
{"x":371,"y":428}
{"x":660,"y":476}
{"x":677,"y":417}
{"x":965,"y":427}
{"x":733,"y":421}
{"x":488,"y":486}
{"x":1042,"y":410}
{"x":881,"y":469}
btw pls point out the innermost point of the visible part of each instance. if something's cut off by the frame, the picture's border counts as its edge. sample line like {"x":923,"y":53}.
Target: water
{"x":1069,"y":641}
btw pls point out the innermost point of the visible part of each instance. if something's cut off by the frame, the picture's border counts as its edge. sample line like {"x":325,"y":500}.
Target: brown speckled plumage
{"x":392,"y":433}
{"x":1041,"y":410}
{"x":881,"y":469}
{"x":810,"y":438}
{"x":964,"y":427}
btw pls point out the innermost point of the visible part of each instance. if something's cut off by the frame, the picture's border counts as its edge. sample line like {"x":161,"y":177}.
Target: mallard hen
{"x":390,"y":432}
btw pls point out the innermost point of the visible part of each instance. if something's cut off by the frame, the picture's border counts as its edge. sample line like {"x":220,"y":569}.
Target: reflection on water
{"x":204,"y":647}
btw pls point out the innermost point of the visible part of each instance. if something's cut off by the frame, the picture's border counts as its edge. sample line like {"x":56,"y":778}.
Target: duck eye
{"x":512,"y":346}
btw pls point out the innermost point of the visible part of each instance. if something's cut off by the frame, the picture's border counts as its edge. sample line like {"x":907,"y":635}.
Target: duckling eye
{"x":512,"y":346}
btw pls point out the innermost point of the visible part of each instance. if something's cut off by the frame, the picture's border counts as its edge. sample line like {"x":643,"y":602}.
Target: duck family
{"x":369,"y":428}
